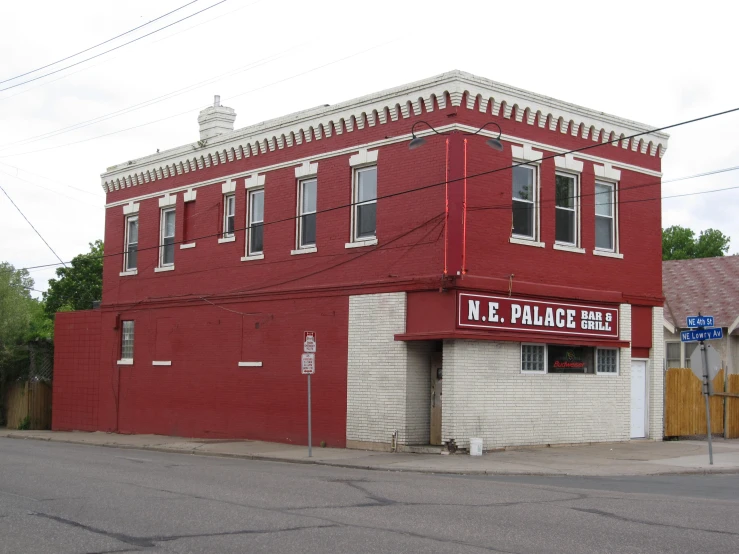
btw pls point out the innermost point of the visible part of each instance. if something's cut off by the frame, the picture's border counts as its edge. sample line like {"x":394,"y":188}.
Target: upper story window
{"x":229,"y":215}
{"x":525,"y":213}
{"x":364,"y":225}
{"x":605,"y":216}
{"x":567,"y":217}
{"x":130,"y":258}
{"x":166,"y":242}
{"x":307,"y":207}
{"x":255,"y":222}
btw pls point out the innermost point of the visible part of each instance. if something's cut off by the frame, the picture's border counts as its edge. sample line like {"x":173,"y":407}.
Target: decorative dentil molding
{"x":456,"y":88}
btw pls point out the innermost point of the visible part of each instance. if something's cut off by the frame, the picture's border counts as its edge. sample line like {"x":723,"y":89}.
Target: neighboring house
{"x":709,"y":286}
{"x":536,"y":311}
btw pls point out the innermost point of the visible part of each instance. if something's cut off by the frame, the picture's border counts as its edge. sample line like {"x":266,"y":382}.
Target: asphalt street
{"x":63,"y":498}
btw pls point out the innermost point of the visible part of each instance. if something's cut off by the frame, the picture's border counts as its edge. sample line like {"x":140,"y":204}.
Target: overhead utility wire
{"x":446,"y":182}
{"x":112,"y":49}
{"x":199,"y":107}
{"x":150,"y":102}
{"x":108,"y":60}
{"x":472,"y":208}
{"x":34,"y":228}
{"x":99,"y":44}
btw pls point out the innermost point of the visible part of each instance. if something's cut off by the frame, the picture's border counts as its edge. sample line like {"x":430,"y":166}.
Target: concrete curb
{"x":266,"y":458}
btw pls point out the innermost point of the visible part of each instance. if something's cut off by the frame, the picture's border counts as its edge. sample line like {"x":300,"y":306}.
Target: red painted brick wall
{"x":205,"y":394}
{"x":75,"y":394}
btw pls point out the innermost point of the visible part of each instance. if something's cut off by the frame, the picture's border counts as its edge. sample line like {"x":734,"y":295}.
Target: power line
{"x":112,"y":49}
{"x":108,"y":60}
{"x":34,"y":228}
{"x":187,"y":112}
{"x":472,"y":208}
{"x":99,"y":44}
{"x":446,"y":182}
{"x":147,"y":103}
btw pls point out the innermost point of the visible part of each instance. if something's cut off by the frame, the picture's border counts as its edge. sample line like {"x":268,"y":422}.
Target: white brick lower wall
{"x":656,"y":379}
{"x":376,"y":369}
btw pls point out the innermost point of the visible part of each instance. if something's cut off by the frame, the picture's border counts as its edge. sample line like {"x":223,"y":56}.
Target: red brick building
{"x":532,"y":275}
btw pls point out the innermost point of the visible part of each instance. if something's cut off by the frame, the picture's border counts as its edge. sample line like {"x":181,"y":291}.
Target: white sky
{"x":653,"y":62}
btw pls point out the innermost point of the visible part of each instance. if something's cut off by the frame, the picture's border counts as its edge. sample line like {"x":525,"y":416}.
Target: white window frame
{"x":124,"y":360}
{"x":249,"y":222}
{"x":575,"y":209}
{"x":618,"y":360}
{"x":127,"y":244}
{"x":162,"y":225}
{"x":299,"y":234}
{"x":356,"y":204}
{"x":535,"y":239}
{"x":614,"y":216}
{"x":528,"y":372}
{"x":681,"y":350}
{"x":229,"y":201}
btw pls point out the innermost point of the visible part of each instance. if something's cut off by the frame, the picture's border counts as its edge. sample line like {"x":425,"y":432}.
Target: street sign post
{"x":308,"y":367}
{"x":705,"y":331}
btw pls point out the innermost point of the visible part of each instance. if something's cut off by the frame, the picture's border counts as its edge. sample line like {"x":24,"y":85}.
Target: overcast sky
{"x":654,"y":62}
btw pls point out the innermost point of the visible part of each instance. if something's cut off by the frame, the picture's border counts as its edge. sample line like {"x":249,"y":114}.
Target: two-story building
{"x":466,"y":274}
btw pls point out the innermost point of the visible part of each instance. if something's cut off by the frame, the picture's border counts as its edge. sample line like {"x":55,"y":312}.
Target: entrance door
{"x":436,"y":380}
{"x":638,"y":399}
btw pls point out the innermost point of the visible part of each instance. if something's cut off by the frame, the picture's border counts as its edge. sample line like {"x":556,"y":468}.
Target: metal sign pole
{"x":310,"y":446}
{"x":706,"y":392}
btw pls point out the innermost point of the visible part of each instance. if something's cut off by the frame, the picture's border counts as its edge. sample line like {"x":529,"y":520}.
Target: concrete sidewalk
{"x":606,"y":459}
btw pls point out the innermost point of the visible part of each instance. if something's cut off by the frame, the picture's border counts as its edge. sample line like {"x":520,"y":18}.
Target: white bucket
{"x":475,"y":447}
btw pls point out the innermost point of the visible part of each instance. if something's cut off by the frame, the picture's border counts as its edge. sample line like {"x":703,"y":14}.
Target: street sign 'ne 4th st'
{"x":712,"y":333}
{"x":700,"y":321}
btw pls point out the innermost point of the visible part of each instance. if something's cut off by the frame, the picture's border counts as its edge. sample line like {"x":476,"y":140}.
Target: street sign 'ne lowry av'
{"x":711,"y":333}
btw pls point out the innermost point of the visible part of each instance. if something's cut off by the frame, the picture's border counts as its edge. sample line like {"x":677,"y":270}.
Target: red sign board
{"x":517,"y":314}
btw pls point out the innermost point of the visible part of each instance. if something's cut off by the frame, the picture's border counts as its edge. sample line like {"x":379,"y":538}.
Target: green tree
{"x":680,"y":243}
{"x":78,"y":285}
{"x":15,"y":306}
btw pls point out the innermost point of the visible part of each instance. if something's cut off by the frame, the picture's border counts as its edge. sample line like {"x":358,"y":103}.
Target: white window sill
{"x":360,"y":243}
{"x":308,"y":250}
{"x":526,"y":242}
{"x":250,"y":364}
{"x":186,"y":246}
{"x":164,"y":268}
{"x":568,"y":248}
{"x":226,"y":239}
{"x":607,"y":254}
{"x":129,"y":272}
{"x":253,"y":257}
{"x":606,"y":373}
{"x":125,"y":361}
{"x":161,"y":363}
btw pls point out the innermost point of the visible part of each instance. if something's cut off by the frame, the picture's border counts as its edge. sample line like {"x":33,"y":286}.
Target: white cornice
{"x":496,"y":99}
{"x":255,"y":177}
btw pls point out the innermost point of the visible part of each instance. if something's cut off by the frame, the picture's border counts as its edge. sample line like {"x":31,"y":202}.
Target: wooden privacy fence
{"x":29,"y":405}
{"x":685,"y":407}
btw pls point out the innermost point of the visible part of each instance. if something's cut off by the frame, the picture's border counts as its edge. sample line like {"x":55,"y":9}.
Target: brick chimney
{"x":216,"y":120}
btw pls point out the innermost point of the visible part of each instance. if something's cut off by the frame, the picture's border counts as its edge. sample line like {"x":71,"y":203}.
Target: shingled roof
{"x":706,"y":285}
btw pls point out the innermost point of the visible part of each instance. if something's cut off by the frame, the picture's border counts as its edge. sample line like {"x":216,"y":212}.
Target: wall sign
{"x":536,"y":316}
